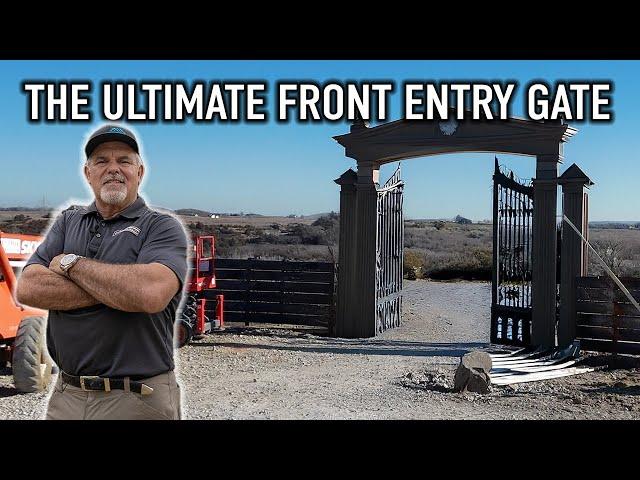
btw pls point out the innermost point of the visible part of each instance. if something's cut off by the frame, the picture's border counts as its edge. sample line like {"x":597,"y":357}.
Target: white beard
{"x":113,"y":197}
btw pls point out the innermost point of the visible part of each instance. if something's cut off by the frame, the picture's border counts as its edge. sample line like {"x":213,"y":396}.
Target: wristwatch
{"x":69,"y":261}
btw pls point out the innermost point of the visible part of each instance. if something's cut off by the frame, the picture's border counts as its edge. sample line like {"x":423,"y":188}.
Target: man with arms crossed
{"x":111,"y":276}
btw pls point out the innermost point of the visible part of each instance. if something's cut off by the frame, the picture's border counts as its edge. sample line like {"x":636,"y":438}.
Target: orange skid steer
{"x":22,"y":329}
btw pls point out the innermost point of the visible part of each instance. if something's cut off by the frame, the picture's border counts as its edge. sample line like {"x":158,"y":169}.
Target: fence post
{"x":573,"y":250}
{"x":248,"y":277}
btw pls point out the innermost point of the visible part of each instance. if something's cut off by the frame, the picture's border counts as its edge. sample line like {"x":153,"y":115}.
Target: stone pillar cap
{"x":574,"y":174}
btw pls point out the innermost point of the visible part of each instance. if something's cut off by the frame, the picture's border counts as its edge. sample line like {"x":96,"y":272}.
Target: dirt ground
{"x":405,"y":373}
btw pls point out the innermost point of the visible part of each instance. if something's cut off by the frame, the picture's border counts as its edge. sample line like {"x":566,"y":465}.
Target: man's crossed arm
{"x":131,"y":288}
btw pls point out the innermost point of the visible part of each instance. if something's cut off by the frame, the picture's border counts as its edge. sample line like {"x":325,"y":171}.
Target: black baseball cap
{"x":111,"y":133}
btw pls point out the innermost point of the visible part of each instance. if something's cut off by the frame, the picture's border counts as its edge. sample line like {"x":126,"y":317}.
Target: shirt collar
{"x":132,"y":211}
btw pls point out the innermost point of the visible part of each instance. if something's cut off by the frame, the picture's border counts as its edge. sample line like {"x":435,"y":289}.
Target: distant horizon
{"x":9,"y":207}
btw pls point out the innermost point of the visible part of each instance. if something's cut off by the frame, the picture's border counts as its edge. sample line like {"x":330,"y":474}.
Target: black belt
{"x":104,"y":384}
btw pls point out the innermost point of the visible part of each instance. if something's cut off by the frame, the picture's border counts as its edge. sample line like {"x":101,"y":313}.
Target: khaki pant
{"x":72,"y":403}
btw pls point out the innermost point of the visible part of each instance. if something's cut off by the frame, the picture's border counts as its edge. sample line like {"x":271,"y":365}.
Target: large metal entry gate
{"x":389,"y":253}
{"x":512,"y":266}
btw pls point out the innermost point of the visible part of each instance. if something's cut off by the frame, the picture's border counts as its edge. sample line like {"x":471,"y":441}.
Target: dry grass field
{"x":619,"y":248}
{"x":259,"y":221}
{"x":434,"y":249}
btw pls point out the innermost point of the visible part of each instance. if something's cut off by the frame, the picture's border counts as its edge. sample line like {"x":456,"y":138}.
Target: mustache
{"x":112,"y":178}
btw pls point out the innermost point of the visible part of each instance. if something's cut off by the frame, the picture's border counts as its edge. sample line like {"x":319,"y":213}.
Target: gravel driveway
{"x":405,"y":373}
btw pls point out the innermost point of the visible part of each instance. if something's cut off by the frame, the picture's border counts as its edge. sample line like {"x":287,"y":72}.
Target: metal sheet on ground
{"x":535,"y":366}
{"x":531,"y":369}
{"x":533,"y":377}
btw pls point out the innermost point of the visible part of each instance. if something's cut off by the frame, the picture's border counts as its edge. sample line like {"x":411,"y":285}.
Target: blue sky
{"x":284,"y":168}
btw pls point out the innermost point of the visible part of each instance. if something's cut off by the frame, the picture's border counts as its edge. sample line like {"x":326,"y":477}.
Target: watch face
{"x":67,"y":259}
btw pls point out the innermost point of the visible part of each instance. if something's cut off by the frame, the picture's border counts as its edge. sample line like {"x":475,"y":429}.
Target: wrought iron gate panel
{"x":511,"y":286}
{"x":389,"y":253}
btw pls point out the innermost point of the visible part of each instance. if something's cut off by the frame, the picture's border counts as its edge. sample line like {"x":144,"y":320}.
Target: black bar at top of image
{"x":407,"y":44}
{"x":442,"y":32}
{"x":173,"y":52}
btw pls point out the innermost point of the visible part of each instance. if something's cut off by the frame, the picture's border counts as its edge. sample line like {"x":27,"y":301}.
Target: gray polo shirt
{"x":100,"y":340}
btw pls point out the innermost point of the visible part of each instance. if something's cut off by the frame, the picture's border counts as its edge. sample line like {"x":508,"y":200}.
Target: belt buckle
{"x":107,"y":384}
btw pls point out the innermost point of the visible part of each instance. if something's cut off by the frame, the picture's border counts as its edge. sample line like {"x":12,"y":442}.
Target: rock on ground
{"x":472,"y":375}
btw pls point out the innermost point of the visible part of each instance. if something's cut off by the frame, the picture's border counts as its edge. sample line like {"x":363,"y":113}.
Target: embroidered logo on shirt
{"x":134,"y":230}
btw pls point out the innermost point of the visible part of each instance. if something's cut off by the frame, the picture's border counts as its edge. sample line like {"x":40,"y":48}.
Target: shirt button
{"x":98,"y":235}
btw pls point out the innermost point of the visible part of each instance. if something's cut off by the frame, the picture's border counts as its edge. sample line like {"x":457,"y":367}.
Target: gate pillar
{"x":544,"y":252}
{"x":573,"y":250}
{"x":364,"y":289}
{"x":347,"y":286}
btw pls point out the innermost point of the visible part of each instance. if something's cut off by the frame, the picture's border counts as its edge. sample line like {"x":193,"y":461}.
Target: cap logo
{"x":117,"y":130}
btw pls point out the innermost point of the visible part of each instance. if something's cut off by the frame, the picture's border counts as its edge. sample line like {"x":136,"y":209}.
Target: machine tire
{"x":184,"y":333}
{"x":31,"y":363}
